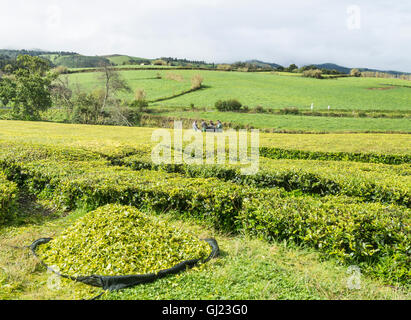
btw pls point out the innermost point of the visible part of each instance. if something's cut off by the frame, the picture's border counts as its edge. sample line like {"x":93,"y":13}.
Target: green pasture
{"x":269,"y":90}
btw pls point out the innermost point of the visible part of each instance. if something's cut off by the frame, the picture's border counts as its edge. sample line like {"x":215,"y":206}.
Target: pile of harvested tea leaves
{"x":119,"y":240}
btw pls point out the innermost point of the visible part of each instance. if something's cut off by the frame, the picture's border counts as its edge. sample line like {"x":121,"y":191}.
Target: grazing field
{"x":288,"y":232}
{"x":268,"y":90}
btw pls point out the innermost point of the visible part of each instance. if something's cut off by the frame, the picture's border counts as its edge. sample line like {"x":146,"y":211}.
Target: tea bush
{"x":118,"y":240}
{"x":371,"y":182}
{"x":8,"y":195}
{"x":277,"y":153}
{"x":374,"y":236}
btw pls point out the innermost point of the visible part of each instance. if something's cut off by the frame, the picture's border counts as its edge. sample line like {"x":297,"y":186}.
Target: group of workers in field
{"x":208,"y":127}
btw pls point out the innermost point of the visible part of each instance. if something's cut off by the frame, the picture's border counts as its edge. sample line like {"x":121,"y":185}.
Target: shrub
{"x":228,"y":105}
{"x":278,"y":153}
{"x":355,"y":73}
{"x":196,"y":82}
{"x":317,"y":74}
{"x":259,"y":109}
{"x":8,"y":195}
{"x":374,"y":236}
{"x":224,"y":67}
{"x":159,"y":62}
{"x":61,"y":70}
{"x":293,"y":110}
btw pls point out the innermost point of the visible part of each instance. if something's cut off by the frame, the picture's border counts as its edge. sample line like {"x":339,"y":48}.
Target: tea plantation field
{"x":319,"y":204}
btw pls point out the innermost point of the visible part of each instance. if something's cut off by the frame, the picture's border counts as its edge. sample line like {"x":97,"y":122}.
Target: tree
{"x":27,"y":88}
{"x":314,"y":73}
{"x":292,"y":67}
{"x":355,"y":72}
{"x":113,"y":83}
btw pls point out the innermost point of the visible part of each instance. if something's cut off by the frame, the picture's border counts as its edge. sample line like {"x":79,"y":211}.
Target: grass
{"x":301,"y":123}
{"x":269,"y":90}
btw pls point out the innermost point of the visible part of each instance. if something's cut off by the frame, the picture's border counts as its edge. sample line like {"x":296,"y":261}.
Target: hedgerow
{"x":371,"y":182}
{"x":119,"y":240}
{"x":8,"y":195}
{"x":277,"y":153}
{"x":374,"y":236}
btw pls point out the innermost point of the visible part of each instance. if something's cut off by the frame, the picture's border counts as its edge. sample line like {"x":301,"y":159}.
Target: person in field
{"x":195,"y":126}
{"x":211,"y":127}
{"x":203,"y":126}
{"x":219,"y":127}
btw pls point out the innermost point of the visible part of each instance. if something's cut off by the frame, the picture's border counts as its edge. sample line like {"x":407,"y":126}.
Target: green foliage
{"x":370,"y":182}
{"x":277,"y":153}
{"x":78,"y":61}
{"x":355,"y":73}
{"x":139,"y":105}
{"x":27,"y":91}
{"x":374,"y":236}
{"x":121,"y":241}
{"x":87,"y":108}
{"x":228,"y":105}
{"x":8,"y":195}
{"x":316,"y":73}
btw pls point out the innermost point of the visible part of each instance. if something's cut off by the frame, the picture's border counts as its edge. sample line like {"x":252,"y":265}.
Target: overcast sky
{"x":361,"y":33}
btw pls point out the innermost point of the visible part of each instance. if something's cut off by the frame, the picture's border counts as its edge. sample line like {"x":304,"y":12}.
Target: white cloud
{"x":296,"y":31}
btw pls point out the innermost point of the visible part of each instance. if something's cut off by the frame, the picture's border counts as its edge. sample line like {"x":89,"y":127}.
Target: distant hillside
{"x":121,"y":60}
{"x":75,"y":60}
{"x":13,"y":54}
{"x":385,"y":71}
{"x":79,"y":61}
{"x":332,"y":66}
{"x":263,"y":64}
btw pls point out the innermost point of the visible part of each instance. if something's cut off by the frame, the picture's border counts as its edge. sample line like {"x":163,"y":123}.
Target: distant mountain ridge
{"x":332,"y":66}
{"x":76,"y":60}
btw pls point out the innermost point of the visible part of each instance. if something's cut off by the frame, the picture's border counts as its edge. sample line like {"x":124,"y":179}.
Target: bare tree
{"x":113,"y":82}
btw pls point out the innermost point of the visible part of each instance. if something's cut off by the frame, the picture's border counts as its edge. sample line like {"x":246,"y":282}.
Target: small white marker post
{"x":329,"y":108}
{"x":312,"y":106}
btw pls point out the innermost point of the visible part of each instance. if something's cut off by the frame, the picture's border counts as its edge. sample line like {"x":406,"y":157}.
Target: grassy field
{"x":266,"y":89}
{"x":58,"y":159}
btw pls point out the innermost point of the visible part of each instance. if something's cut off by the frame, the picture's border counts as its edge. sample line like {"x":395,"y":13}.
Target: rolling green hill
{"x":268,"y":90}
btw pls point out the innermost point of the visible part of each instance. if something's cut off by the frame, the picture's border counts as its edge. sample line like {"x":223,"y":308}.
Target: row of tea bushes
{"x":278,"y":153}
{"x":91,"y":184}
{"x":8,"y":196}
{"x":370,"y":182}
{"x":19,"y":152}
{"x":372,"y":236}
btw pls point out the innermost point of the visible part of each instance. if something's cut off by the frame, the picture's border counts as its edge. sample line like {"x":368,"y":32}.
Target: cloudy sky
{"x":358,"y":33}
